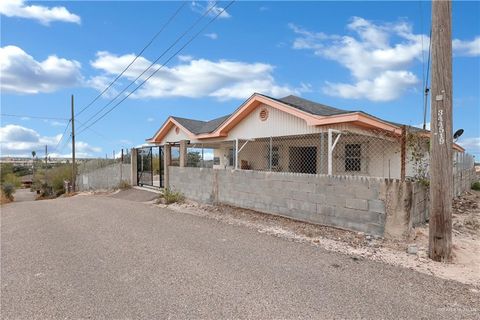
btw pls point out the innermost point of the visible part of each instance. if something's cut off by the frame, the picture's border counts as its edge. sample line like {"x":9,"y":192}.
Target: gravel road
{"x":101,"y":257}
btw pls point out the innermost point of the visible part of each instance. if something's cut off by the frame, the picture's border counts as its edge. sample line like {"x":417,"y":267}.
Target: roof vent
{"x":177,"y":130}
{"x":263,"y":114}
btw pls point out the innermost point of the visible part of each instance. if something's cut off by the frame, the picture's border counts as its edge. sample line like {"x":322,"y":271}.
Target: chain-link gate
{"x":150,"y":171}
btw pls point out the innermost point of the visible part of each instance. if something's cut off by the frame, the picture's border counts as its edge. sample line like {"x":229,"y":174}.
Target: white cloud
{"x":19,"y":140}
{"x":420,"y":125}
{"x":150,"y":119}
{"x":212,"y":35}
{"x":466,"y":48}
{"x":471,"y":145}
{"x":378,"y":56}
{"x":21,"y":73}
{"x":196,"y":78}
{"x":45,"y":15}
{"x":378,"y":66}
{"x":387,"y":86}
{"x":199,"y":7}
{"x":84,"y":148}
{"x":184,"y":58}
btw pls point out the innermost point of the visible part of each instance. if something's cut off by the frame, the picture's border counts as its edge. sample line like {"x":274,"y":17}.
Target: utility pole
{"x":74,"y":173}
{"x":440,"y":224}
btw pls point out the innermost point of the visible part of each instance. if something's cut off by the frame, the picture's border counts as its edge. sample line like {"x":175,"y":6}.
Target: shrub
{"x":57,"y":177}
{"x":476,"y":185}
{"x":172,"y":196}
{"x":124,"y":185}
{"x":8,"y":189}
{"x":12,"y":179}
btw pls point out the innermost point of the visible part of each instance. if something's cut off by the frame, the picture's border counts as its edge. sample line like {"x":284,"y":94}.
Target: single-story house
{"x":292,"y":134}
{"x":301,"y":159}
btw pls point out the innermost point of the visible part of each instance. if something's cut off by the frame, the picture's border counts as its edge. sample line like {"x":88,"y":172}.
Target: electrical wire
{"x":155,"y":61}
{"x":160,"y":67}
{"x":33,"y":117}
{"x":135,"y":59}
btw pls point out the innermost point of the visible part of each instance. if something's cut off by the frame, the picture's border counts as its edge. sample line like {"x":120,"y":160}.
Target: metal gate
{"x":150,"y":166}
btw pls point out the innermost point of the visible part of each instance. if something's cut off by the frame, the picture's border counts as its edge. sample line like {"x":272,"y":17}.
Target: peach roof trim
{"x":167,"y":126}
{"x":357,"y":118}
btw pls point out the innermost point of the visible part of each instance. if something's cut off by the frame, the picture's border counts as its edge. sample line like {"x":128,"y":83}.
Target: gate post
{"x":167,"y":158}
{"x":183,"y":153}
{"x":133,"y":166}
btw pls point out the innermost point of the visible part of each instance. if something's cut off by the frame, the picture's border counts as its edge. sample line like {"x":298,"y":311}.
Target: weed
{"x":124,"y":185}
{"x":171,"y":196}
{"x":8,"y":189}
{"x":476,"y":186}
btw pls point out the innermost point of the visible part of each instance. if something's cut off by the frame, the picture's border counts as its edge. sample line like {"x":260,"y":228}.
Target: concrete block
{"x":325,"y":210}
{"x":334,"y":200}
{"x":376,"y":206}
{"x":358,"y":204}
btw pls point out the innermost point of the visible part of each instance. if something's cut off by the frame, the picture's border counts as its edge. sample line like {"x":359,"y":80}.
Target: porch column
{"x":167,"y":159}
{"x":183,"y":153}
{"x":133,"y":167}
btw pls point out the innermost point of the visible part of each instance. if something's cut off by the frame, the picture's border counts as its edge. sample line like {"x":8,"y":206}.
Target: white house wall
{"x":172,"y":136}
{"x":278,"y":123}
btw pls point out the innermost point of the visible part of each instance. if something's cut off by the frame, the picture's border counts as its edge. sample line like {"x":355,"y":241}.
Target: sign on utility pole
{"x":441,"y":160}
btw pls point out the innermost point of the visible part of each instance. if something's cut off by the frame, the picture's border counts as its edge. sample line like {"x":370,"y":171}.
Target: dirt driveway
{"x":104,"y":257}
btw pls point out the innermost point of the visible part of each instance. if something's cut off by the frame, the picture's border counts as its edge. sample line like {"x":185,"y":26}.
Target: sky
{"x":369,"y":56}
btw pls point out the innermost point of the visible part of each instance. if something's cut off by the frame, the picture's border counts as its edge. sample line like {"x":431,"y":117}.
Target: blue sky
{"x":351,"y":55}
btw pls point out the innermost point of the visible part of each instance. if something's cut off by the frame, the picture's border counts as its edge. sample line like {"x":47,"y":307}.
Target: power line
{"x":63,"y":134}
{"x":154,"y":62}
{"x":33,"y":117}
{"x":136,"y":57}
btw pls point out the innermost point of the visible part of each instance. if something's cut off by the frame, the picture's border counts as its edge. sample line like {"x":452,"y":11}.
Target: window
{"x":353,"y":153}
{"x":231,"y":157}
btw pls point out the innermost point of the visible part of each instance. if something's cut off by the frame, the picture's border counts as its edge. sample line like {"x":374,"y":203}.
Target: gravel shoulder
{"x":105,"y":257}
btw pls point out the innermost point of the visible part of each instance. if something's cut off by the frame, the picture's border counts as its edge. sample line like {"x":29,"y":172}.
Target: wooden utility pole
{"x":74,"y":172}
{"x":441,"y":161}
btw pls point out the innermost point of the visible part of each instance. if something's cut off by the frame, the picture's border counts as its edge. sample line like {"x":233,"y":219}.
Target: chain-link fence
{"x":374,"y":153}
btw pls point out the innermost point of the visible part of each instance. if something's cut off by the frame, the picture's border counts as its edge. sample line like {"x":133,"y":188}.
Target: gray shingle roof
{"x":311,"y":107}
{"x":198,"y":126}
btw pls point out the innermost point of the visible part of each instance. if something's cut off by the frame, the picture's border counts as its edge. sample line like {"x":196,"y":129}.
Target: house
{"x":293,"y":134}
{"x":304,"y":160}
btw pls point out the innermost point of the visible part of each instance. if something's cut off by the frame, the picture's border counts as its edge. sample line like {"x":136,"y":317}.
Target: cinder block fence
{"x":372,"y":205}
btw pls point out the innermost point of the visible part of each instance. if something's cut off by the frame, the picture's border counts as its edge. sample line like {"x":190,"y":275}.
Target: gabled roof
{"x":310,"y":106}
{"x":315,"y":114}
{"x":198,"y":126}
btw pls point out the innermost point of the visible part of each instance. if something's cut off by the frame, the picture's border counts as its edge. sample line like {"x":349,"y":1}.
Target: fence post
{"x":133,"y":166}
{"x":270,"y":154}
{"x":236,"y":153}
{"x":403,"y":152}
{"x":322,"y":142}
{"x":167,"y":157}
{"x":183,"y":153}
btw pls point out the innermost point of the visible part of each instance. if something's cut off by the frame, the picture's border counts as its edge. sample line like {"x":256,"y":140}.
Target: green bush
{"x":8,"y":190}
{"x":476,"y":185}
{"x":57,"y":176}
{"x":12,"y":179}
{"x":172,"y":196}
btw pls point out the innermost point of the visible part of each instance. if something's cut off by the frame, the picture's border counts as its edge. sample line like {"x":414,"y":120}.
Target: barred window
{"x":353,"y":154}
{"x":231,"y":157}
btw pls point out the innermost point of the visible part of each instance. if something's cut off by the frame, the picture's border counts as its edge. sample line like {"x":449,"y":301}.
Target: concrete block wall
{"x":105,"y":178}
{"x":194,"y":183}
{"x":355,"y":203}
